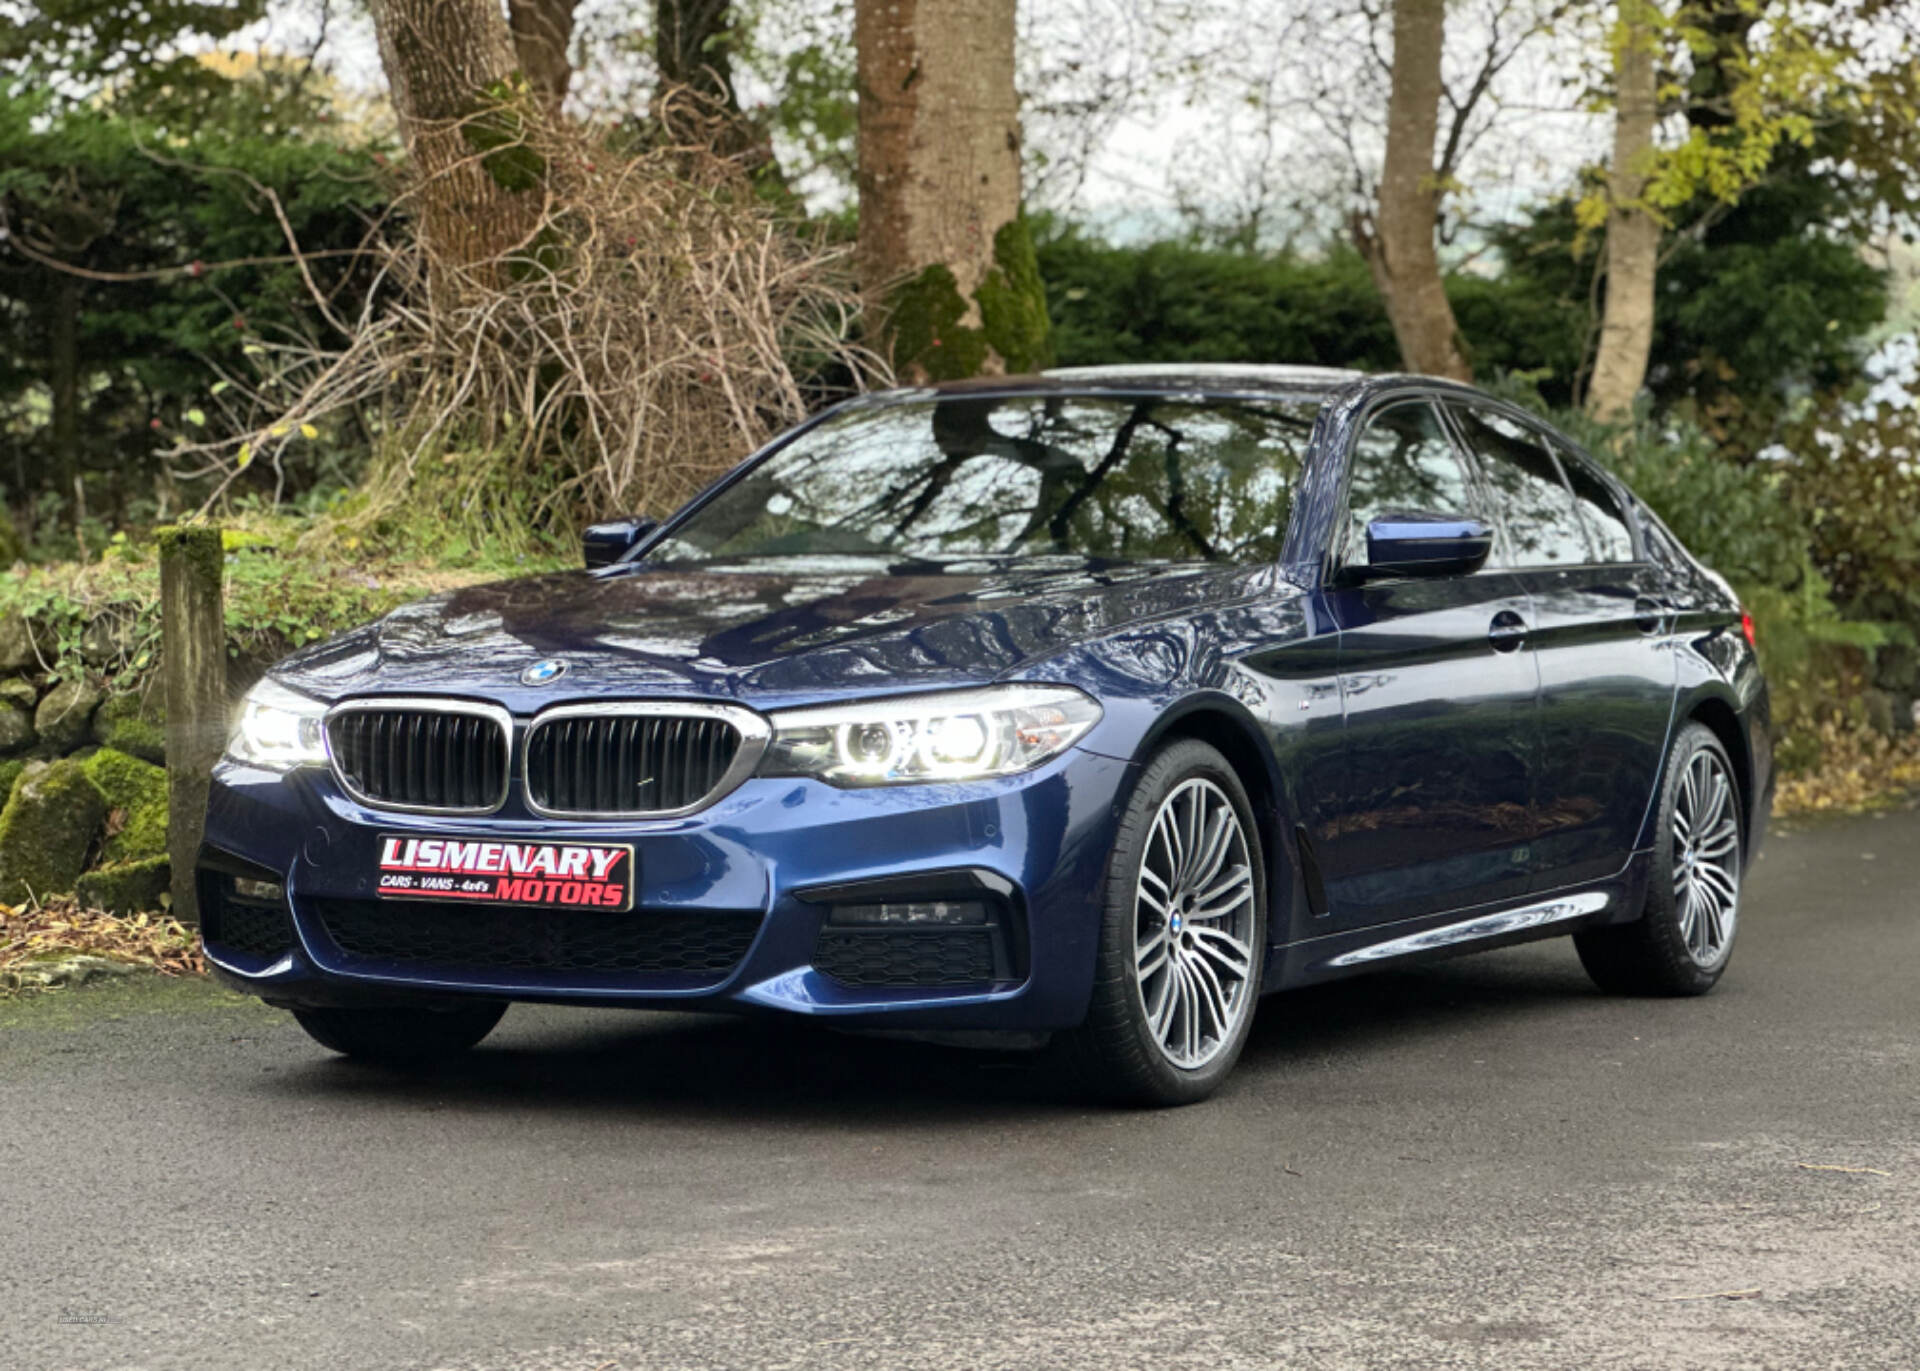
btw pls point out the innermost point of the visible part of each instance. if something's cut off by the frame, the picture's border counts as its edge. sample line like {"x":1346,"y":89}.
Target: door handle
{"x":1508,"y":632}
{"x":1650,"y":613}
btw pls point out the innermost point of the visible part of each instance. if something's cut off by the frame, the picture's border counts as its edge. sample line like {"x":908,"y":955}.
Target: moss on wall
{"x":124,"y":887}
{"x":137,"y":791}
{"x":45,"y":830}
{"x":132,"y":723}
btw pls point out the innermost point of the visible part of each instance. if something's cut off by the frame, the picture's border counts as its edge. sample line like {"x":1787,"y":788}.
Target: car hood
{"x":760,"y":632}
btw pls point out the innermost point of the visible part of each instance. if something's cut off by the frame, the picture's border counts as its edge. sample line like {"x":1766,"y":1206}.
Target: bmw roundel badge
{"x":543,"y":673}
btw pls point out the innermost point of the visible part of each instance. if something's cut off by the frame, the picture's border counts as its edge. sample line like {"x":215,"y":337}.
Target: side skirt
{"x":1552,"y":914}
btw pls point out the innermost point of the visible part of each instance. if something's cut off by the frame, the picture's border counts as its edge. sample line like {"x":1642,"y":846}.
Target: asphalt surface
{"x":1478,"y":1164}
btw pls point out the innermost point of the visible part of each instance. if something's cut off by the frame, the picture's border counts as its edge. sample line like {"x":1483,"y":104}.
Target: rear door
{"x":1601,"y":637}
{"x":1438,"y":687}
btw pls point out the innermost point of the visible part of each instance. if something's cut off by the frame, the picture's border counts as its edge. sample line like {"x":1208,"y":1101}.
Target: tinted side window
{"x":1600,"y":511}
{"x":1402,"y":463}
{"x":1531,"y":500}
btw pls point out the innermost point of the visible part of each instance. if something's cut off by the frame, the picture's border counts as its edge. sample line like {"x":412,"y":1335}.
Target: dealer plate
{"x":532,"y":875}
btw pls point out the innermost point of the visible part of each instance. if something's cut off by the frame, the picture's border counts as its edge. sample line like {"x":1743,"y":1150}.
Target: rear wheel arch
{"x":1720,"y":718}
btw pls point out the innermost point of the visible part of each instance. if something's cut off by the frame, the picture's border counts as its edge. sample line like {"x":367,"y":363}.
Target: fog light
{"x":911,"y":912}
{"x":246,"y":888}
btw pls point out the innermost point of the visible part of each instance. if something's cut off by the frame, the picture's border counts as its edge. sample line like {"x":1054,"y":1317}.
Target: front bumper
{"x":754,"y":862}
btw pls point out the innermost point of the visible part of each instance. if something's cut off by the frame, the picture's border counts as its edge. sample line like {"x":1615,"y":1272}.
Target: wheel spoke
{"x":1722,"y":841}
{"x":1152,"y":954}
{"x":1212,"y":996}
{"x":1160,"y":1015}
{"x":1213,"y":855}
{"x":1717,"y":797}
{"x":1714,"y":928}
{"x":1226,"y":895}
{"x":1224,"y":950}
{"x":1195,"y":1029}
{"x":1189,"y":838}
{"x":1717,"y":881}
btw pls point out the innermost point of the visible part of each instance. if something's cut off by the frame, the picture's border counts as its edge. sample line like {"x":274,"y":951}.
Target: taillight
{"x":1746,"y":627}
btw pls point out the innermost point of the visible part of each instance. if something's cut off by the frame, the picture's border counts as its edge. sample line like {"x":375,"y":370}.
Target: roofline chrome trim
{"x":425,"y":704}
{"x":1472,"y":930}
{"x":755,"y":729}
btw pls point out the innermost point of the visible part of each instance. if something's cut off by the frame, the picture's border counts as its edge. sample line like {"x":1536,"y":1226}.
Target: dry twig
{"x":658,"y":322}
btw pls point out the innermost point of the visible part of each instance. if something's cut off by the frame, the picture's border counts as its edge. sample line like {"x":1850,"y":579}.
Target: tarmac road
{"x":1483,"y":1163}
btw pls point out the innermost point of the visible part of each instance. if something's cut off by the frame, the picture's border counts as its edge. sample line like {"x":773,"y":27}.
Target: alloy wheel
{"x":1706,"y":859}
{"x":1193,"y":924}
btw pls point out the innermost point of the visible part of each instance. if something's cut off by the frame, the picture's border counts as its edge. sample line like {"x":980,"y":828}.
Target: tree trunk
{"x":1633,"y":234}
{"x":692,"y":42}
{"x":693,"y":49}
{"x":939,"y":176}
{"x":63,"y":371}
{"x":1399,"y":242}
{"x":542,"y":31}
{"x":450,"y":69}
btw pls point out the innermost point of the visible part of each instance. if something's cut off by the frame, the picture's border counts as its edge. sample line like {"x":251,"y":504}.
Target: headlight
{"x":959,"y":735}
{"x":278,"y":729}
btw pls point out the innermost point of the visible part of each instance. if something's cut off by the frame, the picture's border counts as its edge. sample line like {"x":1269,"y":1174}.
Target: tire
{"x":1170,"y":1034}
{"x":401,"y":1037}
{"x":1682,"y":940}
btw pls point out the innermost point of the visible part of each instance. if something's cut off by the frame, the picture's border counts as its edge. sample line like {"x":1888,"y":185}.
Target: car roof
{"x":1245,"y":379}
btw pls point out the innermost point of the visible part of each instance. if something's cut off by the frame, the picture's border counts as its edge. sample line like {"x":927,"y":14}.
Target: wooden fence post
{"x":193,"y":654}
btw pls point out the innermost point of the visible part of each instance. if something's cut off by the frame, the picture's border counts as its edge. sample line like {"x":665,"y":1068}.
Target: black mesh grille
{"x":906,"y":956}
{"x":701,"y":946}
{"x":627,"y":764}
{"x":245,"y":928}
{"x":422,"y":758}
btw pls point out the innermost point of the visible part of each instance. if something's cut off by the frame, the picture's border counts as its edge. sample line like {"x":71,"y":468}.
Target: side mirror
{"x":1423,"y":544}
{"x":605,"y":544}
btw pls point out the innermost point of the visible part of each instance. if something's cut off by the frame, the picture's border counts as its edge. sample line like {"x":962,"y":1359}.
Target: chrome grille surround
{"x":753,"y":730}
{"x":430,"y":706}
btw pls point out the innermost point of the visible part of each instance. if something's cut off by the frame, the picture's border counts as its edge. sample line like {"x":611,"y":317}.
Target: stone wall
{"x":83,"y":784}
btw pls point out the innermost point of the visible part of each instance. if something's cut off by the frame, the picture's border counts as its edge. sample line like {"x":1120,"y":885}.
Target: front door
{"x":1439,"y":690}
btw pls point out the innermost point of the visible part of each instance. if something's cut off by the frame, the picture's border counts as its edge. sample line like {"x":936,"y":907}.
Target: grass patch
{"x":290,"y":581}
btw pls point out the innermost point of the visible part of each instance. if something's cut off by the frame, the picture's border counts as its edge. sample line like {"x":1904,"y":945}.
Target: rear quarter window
{"x":1600,"y":512}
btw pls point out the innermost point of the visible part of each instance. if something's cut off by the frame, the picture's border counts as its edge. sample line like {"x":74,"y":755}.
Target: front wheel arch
{"x":1225,"y":725}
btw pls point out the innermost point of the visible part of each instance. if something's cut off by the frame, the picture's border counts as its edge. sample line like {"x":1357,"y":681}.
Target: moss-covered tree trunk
{"x":462,"y":101}
{"x":1633,"y":234}
{"x":945,"y":259}
{"x":1398,"y":241}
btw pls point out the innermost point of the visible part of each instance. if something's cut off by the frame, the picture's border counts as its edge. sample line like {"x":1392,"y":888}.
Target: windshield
{"x":1103,"y":477}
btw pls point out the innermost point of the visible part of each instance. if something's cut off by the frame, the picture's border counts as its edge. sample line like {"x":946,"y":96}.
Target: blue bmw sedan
{"x":1088,"y":707}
